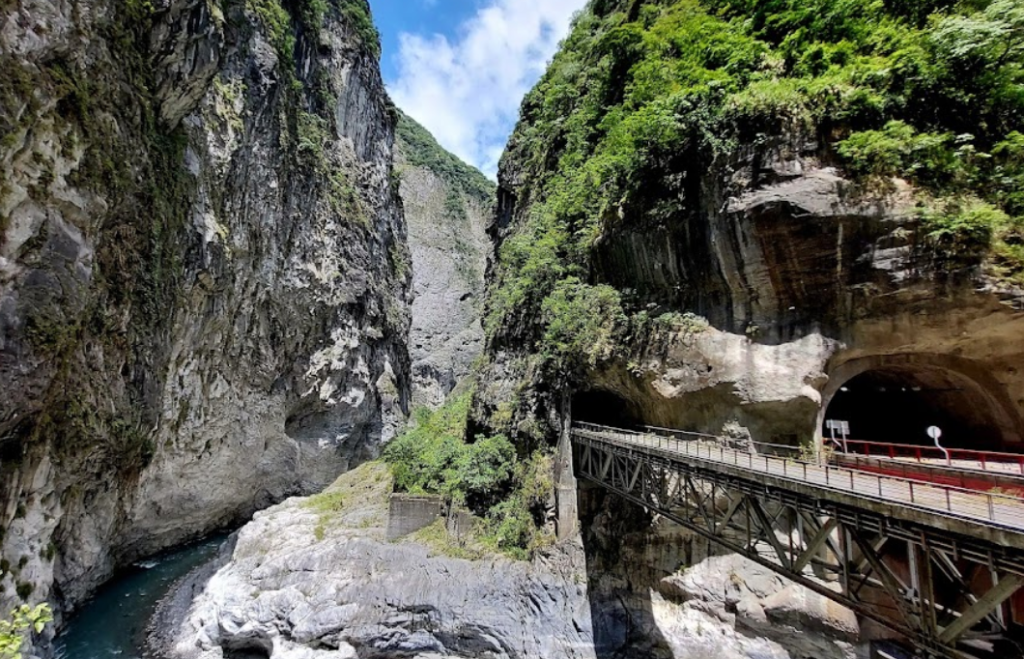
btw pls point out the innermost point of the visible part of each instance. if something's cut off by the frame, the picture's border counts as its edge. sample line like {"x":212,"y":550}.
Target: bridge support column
{"x":566,"y":502}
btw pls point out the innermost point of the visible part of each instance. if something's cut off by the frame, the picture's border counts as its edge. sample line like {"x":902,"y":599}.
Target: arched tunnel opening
{"x":898,"y":404}
{"x":606,"y":409}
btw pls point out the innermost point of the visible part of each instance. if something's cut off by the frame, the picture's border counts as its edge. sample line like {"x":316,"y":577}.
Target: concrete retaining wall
{"x":408,"y":514}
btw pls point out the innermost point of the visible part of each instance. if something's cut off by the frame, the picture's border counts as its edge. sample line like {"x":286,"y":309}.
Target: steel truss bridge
{"x":935,"y":564}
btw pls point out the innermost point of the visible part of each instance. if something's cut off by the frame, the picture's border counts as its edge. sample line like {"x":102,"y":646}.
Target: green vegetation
{"x":648,"y":96}
{"x":422,"y":150}
{"x":433,"y":457}
{"x":278,"y":24}
{"x":436,"y":538}
{"x":348,"y":498}
{"x":312,"y":133}
{"x":327,"y":504}
{"x":580,"y":323}
{"x":357,"y":13}
{"x":23,"y":620}
{"x":310,"y":15}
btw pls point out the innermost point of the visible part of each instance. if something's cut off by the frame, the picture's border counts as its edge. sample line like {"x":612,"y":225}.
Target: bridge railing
{"x":964,"y":458}
{"x":1008,"y":483}
{"x":1000,"y":509}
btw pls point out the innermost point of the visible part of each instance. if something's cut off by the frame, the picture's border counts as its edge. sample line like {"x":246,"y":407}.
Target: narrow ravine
{"x":113,"y":624}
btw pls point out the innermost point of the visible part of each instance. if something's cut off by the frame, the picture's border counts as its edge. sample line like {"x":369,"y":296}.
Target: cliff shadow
{"x":626,"y":559}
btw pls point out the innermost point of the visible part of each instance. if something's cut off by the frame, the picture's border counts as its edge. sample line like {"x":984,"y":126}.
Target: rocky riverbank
{"x":314,"y":578}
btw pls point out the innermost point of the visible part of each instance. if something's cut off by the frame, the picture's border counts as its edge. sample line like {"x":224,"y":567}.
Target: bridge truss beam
{"x":918,"y":581}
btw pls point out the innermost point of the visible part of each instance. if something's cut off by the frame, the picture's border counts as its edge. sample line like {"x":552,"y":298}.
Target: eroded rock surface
{"x":659,"y":591}
{"x":447,"y":209}
{"x":314,"y":578}
{"x":766,"y":293}
{"x":202,"y":304}
{"x":309,"y":578}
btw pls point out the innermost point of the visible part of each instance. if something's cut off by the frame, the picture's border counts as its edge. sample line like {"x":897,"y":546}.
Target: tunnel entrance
{"x":897,"y":403}
{"x":606,"y":409}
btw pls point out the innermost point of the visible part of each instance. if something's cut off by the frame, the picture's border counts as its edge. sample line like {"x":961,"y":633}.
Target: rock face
{"x":803,"y":283}
{"x":768,"y":304}
{"x":693,"y":255}
{"x":447,"y":209}
{"x":657,"y":590}
{"x":314,"y":578}
{"x":203,"y":297}
{"x":748,"y":266}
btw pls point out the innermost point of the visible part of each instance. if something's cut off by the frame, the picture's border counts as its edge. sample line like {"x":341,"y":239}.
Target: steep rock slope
{"x":447,"y":209}
{"x":203,"y":307}
{"x":714,"y":213}
{"x":709,"y":207}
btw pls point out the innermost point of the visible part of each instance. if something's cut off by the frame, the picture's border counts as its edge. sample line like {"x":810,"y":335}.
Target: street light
{"x":935,"y":433}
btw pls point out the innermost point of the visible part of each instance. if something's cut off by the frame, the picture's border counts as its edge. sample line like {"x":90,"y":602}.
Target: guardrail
{"x":985,"y":460}
{"x":1008,"y":483}
{"x":1002,"y":510}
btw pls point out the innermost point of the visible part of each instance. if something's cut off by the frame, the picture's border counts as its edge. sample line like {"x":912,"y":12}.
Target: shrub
{"x":23,"y":620}
{"x":484,"y":475}
{"x":580,"y":322}
{"x":482,"y":470}
{"x":963,"y":228}
{"x":434,"y":458}
{"x":899,"y":150}
{"x":420,"y":456}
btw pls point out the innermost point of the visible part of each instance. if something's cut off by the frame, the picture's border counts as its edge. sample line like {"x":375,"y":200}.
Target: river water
{"x":113,"y":624}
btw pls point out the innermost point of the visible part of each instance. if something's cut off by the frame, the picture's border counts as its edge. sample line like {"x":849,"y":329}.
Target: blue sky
{"x":461,"y":67}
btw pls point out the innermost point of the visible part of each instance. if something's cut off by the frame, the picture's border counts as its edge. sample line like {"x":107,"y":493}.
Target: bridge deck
{"x":994,"y":517}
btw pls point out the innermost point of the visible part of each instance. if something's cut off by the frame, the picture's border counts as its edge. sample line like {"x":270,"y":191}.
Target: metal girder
{"x":853,"y":546}
{"x":814,"y":544}
{"x":999,"y":593}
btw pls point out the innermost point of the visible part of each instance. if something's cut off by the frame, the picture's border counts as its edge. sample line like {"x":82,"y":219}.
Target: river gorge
{"x":241,"y":289}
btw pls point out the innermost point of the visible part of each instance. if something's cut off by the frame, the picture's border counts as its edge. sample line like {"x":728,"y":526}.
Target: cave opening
{"x":255,"y":647}
{"x":897,"y":404}
{"x":606,"y":409}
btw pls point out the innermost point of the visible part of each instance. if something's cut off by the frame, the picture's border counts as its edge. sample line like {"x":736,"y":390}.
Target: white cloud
{"x":467,"y":90}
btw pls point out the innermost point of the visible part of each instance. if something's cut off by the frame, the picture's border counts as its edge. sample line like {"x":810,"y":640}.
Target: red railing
{"x":961,"y":458}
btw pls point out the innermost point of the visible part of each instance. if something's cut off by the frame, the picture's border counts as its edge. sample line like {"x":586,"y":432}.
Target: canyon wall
{"x":724,"y":256}
{"x":740,"y":219}
{"x":204,"y":277}
{"x":447,"y":209}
